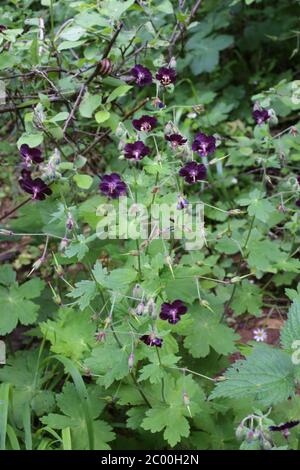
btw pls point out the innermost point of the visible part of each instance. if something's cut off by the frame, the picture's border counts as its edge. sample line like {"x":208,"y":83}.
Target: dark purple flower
{"x":37,"y":187}
{"x":2,"y":28}
{"x":112,"y":186}
{"x":176,"y":140}
{"x":142,"y":75}
{"x":173,"y":311}
{"x":298,"y":179}
{"x":145,"y":123}
{"x":260,"y":115}
{"x":166,"y":76}
{"x":298,"y":203}
{"x":204,"y":144}
{"x":152,"y":340}
{"x":136,"y":151}
{"x":30,"y":155}
{"x":192,"y":172}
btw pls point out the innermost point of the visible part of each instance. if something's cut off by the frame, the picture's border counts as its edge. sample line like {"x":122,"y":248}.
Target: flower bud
{"x":172,"y":63}
{"x":70,"y":222}
{"x":36,"y":265}
{"x":250,"y":436}
{"x":151,"y":309}
{"x":186,"y":399}
{"x":63,"y":244}
{"x":100,"y":336}
{"x":140,"y":309}
{"x":240,"y":432}
{"x":137,"y":291}
{"x":131,"y":361}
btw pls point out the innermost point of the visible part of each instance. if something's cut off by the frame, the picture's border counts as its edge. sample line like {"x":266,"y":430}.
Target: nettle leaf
{"x":18,"y":306}
{"x":71,"y":334}
{"x":247,"y":299}
{"x":172,"y":415}
{"x":207,"y":332}
{"x":290,"y":332}
{"x":293,"y":294}
{"x":73,"y":416}
{"x":85,"y":292}
{"x":267,"y":376}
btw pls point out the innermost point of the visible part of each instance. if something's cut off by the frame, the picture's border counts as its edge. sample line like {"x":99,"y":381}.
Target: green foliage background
{"x":64,"y":389}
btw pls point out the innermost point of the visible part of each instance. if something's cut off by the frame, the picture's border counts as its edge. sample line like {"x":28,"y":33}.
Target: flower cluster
{"x":30,"y":155}
{"x":34,"y":186}
{"x":143,"y":77}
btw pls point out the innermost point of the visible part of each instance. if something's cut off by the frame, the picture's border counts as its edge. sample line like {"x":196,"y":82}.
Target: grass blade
{"x":66,"y":438}
{"x":4,"y":400}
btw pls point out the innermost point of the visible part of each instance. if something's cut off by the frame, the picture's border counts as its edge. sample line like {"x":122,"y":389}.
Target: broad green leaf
{"x":267,"y":376}
{"x":118,"y":92}
{"x":102,"y":116}
{"x":33,"y":140}
{"x":290,"y":332}
{"x":89,"y":104}
{"x":83,"y":181}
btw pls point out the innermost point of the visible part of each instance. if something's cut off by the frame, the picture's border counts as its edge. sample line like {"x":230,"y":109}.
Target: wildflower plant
{"x":164,"y":339}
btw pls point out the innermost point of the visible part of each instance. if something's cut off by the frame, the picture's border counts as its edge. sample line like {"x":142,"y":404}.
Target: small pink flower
{"x":259,"y":334}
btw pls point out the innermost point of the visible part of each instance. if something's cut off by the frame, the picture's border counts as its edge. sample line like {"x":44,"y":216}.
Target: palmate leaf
{"x":17,"y":306}
{"x":72,"y":334}
{"x":248,"y":299}
{"x":207,"y":332}
{"x":172,"y":416}
{"x":85,"y":291}
{"x":266,"y":376}
{"x":73,"y":416}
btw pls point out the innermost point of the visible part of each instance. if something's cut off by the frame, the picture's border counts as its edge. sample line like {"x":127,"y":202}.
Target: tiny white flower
{"x":259,"y":334}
